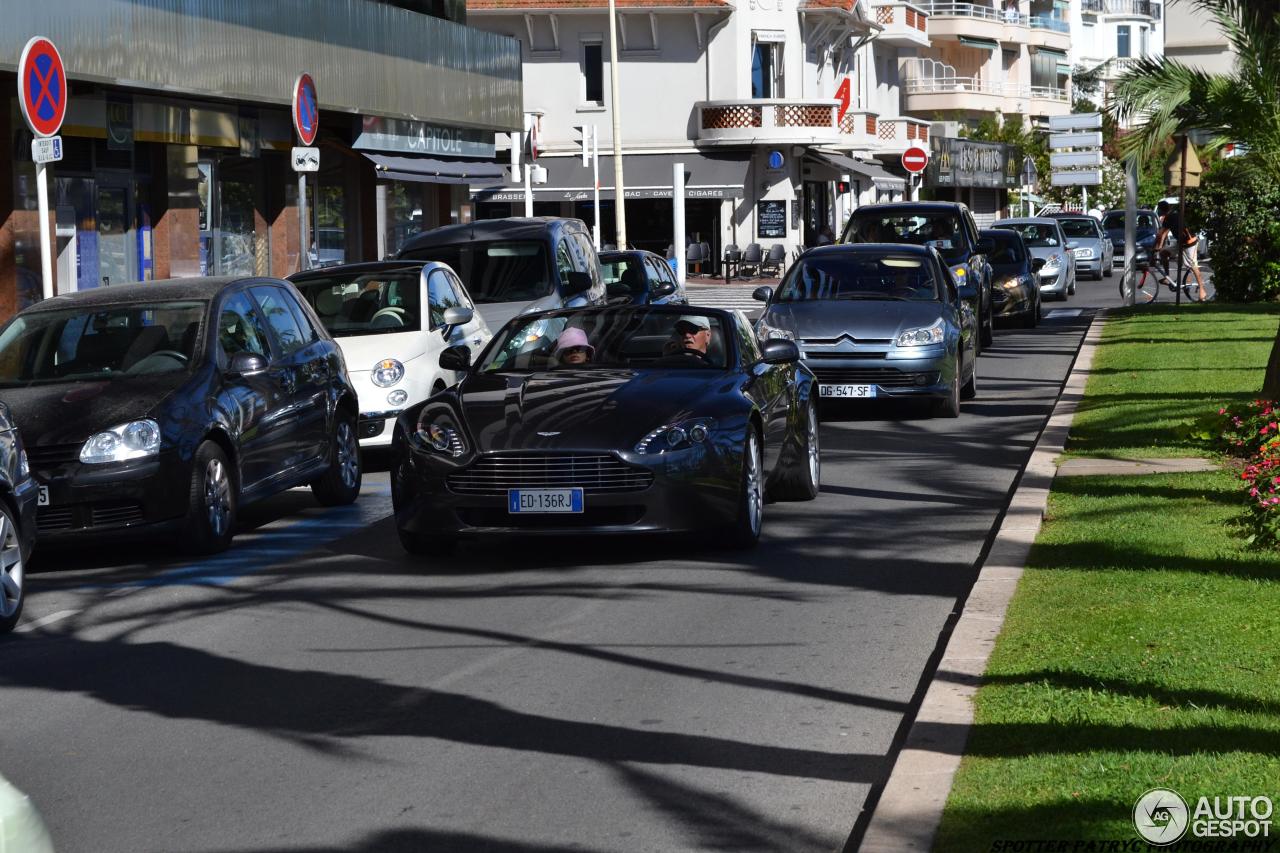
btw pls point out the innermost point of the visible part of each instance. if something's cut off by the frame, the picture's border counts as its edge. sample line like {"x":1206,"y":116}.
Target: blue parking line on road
{"x":273,"y":546}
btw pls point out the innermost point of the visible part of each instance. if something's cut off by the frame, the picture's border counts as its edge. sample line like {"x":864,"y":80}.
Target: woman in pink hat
{"x":572,"y":347}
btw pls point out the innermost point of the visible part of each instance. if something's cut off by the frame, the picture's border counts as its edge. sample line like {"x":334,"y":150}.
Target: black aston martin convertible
{"x":604,"y":420}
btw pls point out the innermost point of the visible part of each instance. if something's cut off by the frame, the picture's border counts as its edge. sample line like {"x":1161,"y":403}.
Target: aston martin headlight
{"x":134,"y":440}
{"x":676,"y":436}
{"x":927,"y":336}
{"x":387,"y":372}
{"x":439,"y":431}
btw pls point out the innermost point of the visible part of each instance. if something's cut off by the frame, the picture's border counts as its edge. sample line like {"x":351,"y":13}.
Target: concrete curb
{"x":910,"y":807}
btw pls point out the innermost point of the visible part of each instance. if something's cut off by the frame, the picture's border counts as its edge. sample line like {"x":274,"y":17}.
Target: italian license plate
{"x":852,"y":391}
{"x":544,"y":500}
{"x":43,"y":498}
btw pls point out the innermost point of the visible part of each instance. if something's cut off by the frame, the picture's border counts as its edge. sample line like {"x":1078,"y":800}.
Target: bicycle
{"x":1153,"y":277}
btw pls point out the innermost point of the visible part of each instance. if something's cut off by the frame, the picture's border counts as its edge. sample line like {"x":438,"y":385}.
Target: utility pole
{"x":1182,"y":218}
{"x":1131,"y":228}
{"x":619,"y":205}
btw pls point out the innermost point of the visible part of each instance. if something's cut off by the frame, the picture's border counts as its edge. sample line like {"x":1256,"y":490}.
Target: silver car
{"x":879,"y":320}
{"x":1045,"y":240}
{"x":1093,"y":251}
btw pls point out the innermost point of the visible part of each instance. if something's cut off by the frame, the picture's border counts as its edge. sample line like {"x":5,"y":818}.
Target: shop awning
{"x":878,"y":175}
{"x":430,"y":170}
{"x":983,"y":44}
{"x":1060,"y":55}
{"x":710,"y":175}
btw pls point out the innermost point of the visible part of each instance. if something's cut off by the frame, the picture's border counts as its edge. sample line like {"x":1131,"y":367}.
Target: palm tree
{"x":1162,"y":98}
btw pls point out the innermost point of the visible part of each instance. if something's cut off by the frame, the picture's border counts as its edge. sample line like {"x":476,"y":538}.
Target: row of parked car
{"x":604,"y":402}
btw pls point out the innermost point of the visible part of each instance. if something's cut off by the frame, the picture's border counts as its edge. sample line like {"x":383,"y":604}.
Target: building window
{"x":1143,"y":40}
{"x":592,"y":73}
{"x":766,"y":70}
{"x":1122,"y":41}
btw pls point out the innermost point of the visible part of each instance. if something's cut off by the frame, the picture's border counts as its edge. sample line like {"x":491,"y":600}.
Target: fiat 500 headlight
{"x":387,"y":372}
{"x":927,"y":336}
{"x":134,"y":440}
{"x":676,"y":436}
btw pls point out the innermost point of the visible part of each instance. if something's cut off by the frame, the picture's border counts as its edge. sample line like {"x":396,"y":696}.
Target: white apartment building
{"x":1112,"y":35}
{"x":992,"y":57}
{"x":745,"y":95}
{"x":1194,"y":39}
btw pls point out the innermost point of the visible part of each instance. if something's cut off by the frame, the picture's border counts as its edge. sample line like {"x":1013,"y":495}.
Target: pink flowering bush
{"x":1252,"y":432}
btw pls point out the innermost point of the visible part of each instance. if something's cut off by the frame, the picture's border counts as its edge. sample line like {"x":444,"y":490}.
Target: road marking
{"x":44,"y":620}
{"x":1064,"y":312}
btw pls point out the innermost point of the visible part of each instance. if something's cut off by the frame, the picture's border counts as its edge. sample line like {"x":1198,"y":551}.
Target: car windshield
{"x":609,"y":339}
{"x":499,"y":271}
{"x":940,"y":230}
{"x":1077,"y":228}
{"x":854,"y":276}
{"x":100,"y":342}
{"x":1007,"y":252}
{"x":1115,"y":220}
{"x":624,"y":276}
{"x":372,"y":303}
{"x":1037,"y":235}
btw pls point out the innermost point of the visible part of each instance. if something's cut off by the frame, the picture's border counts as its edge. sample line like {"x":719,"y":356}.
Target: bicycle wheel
{"x":1148,"y":288}
{"x":1190,"y":288}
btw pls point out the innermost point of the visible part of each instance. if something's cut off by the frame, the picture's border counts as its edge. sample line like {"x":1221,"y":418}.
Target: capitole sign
{"x":415,"y":137}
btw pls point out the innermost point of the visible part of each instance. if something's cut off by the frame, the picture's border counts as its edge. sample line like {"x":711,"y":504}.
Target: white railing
{"x":1045,"y":22}
{"x":1145,"y":8}
{"x":953,"y":85}
{"x":1119,"y":65}
{"x":1049,"y":93}
{"x":948,"y":9}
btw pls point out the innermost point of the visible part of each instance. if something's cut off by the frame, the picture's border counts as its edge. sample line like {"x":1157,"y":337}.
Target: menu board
{"x":771,"y":218}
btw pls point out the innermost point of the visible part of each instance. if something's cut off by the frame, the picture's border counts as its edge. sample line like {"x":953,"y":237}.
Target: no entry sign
{"x":306,"y":109}
{"x":914,"y":159}
{"x":42,"y":87}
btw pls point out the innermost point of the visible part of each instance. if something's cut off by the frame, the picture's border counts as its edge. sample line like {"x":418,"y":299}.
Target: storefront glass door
{"x":114,"y":207}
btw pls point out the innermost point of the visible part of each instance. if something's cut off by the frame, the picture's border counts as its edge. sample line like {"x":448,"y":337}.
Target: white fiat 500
{"x":392,"y":320}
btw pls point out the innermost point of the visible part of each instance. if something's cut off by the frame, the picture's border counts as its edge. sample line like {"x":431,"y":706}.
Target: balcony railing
{"x":777,"y":119}
{"x":1045,"y":22}
{"x":1145,"y":8}
{"x":1114,"y":68}
{"x":898,"y":133}
{"x":1092,"y":6}
{"x":909,"y":16}
{"x":949,"y":9}
{"x":956,"y":85}
{"x":1049,"y":93}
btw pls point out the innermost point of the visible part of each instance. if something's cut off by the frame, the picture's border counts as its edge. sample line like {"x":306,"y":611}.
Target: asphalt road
{"x":315,"y":689}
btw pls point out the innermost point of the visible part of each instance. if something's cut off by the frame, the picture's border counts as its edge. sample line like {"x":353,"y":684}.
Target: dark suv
{"x":513,"y":266}
{"x":947,"y":226}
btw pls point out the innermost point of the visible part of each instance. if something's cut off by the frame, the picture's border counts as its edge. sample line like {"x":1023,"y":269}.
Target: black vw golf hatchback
{"x":162,"y":407}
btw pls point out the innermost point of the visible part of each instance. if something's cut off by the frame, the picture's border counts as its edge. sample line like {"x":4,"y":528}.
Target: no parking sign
{"x":42,"y":87}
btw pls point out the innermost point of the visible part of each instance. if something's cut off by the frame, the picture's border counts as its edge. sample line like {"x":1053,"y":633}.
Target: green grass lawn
{"x":1142,"y":648}
{"x":1158,"y":369}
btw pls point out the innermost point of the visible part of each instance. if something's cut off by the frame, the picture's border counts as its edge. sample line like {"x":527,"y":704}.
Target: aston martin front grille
{"x":494,"y":474}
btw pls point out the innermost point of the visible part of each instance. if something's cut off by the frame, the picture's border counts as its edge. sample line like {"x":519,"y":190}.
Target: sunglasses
{"x":572,"y":350}
{"x":690,"y":330}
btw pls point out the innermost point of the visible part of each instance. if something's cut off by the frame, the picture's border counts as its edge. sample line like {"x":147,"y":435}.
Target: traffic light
{"x":584,"y":139}
{"x":842,"y":187}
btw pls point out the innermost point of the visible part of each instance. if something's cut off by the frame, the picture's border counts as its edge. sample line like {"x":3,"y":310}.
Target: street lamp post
{"x":619,"y":205}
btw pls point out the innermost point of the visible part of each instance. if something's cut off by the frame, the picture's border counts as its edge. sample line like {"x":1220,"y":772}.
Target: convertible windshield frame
{"x":630,"y":338}
{"x":97,"y":342}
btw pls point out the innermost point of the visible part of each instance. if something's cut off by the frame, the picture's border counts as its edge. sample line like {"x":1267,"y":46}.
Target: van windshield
{"x":498,"y":271}
{"x":940,"y":230}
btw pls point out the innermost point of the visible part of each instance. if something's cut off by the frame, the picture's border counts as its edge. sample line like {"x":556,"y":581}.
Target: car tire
{"x":988,"y":329}
{"x":969,"y":390}
{"x":745,"y":531}
{"x":801,"y":481}
{"x":212,"y":502}
{"x":340,"y":483}
{"x":1108,"y":270}
{"x":12,"y":570}
{"x":949,"y":406}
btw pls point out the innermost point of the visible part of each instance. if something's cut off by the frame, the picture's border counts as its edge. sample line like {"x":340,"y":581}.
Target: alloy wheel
{"x":754,"y":484}
{"x":815,"y":459}
{"x":11,"y":568}
{"x":348,"y":456}
{"x":217,"y":497}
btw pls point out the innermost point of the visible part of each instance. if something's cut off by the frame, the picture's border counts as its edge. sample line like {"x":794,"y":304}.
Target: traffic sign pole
{"x":42,"y":96}
{"x":595,"y":181}
{"x":306,"y":121}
